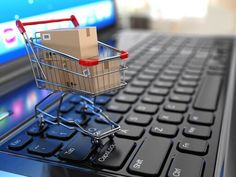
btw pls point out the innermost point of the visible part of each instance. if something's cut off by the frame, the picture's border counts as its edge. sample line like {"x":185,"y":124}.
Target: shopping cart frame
{"x":31,"y":44}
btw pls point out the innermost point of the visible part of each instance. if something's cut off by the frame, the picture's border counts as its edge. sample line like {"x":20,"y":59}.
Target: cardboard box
{"x":79,"y":43}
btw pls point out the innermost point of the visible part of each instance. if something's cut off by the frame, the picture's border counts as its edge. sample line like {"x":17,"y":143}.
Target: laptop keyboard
{"x":170,"y":115}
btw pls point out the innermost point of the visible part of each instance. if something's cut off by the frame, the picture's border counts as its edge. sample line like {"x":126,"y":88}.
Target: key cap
{"x":149,"y":71}
{"x":152,"y":99}
{"x":184,"y":90}
{"x":185,"y":165}
{"x":44,"y":147}
{"x":193,"y":146}
{"x":168,"y":78}
{"x":118,"y":107}
{"x":146,"y":108}
{"x":200,"y":117}
{"x":113,"y":155}
{"x":36,"y":130}
{"x":171,"y":72}
{"x":19,"y":142}
{"x":158,"y":91}
{"x":190,"y":77}
{"x":140,"y":83}
{"x":185,"y":83}
{"x":165,"y":84}
{"x":147,"y":161}
{"x":139,"y":119}
{"x":102,"y":99}
{"x":144,"y":77}
{"x":66,"y":107}
{"x":165,"y":130}
{"x":78,"y":150}
{"x":130,"y":132}
{"x":134,"y":90}
{"x":60,"y":132}
{"x":125,"y":98}
{"x":180,"y":98}
{"x":197,"y":132}
{"x":169,"y":117}
{"x":112,"y":116}
{"x":208,"y":94}
{"x":75,"y":99}
{"x":175,"y":107}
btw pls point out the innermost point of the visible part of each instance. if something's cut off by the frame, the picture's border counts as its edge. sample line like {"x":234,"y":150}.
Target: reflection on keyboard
{"x":170,"y":115}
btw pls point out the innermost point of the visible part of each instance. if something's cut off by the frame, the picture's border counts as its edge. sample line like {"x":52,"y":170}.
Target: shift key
{"x":150,"y":157}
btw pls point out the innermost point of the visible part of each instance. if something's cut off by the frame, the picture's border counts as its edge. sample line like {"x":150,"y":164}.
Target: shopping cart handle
{"x":124,"y":54}
{"x":21,"y":25}
{"x":88,"y":62}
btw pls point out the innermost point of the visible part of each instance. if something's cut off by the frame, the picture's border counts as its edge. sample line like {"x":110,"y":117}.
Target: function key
{"x":165,"y":130}
{"x":60,"y":132}
{"x":130,"y":132}
{"x":175,"y":107}
{"x":200,"y":117}
{"x":193,"y":146}
{"x":152,"y":99}
{"x":158,"y":91}
{"x":146,"y":108}
{"x":113,"y":154}
{"x":44,"y":147}
{"x":150,"y":157}
{"x":19,"y":142}
{"x":35,"y":129}
{"x":125,"y":98}
{"x":139,"y":119}
{"x":180,"y":98}
{"x":186,"y":165}
{"x":118,"y":107}
{"x":197,"y":132}
{"x":169,"y":117}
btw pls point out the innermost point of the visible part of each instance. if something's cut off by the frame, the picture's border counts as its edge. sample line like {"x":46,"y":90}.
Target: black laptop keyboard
{"x":170,"y":115}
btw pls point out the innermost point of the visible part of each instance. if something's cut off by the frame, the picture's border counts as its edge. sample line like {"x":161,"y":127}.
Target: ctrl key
{"x":185,"y":166}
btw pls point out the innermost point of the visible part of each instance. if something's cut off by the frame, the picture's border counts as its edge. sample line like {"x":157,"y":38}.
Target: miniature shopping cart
{"x":62,"y":63}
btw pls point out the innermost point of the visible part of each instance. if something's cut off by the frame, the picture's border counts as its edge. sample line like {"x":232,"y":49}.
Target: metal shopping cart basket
{"x":75,"y":68}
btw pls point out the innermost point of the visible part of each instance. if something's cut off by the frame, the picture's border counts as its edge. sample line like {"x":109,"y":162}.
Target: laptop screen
{"x":99,"y":13}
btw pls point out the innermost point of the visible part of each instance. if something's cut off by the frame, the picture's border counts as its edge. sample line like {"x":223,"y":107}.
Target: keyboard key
{"x":193,"y":146}
{"x":169,"y":117}
{"x":66,"y":107}
{"x":60,"y":132}
{"x":150,"y":157}
{"x":180,"y":98}
{"x":184,"y":90}
{"x":190,"y":77}
{"x":172,"y":72}
{"x":185,"y":165}
{"x":113,"y":154}
{"x":134,"y":90}
{"x":102,"y":99}
{"x":35,"y":129}
{"x":165,"y":130}
{"x":152,"y":99}
{"x":149,"y":71}
{"x":130,"y":132}
{"x":19,"y":142}
{"x":144,"y":77}
{"x":168,"y":78}
{"x":208,"y":94}
{"x":112,"y":116}
{"x":78,"y":150}
{"x":158,"y":91}
{"x":140,"y":83}
{"x":73,"y":116}
{"x":185,"y":83}
{"x":125,"y":98}
{"x":165,"y":84}
{"x":197,"y":132}
{"x":200,"y":117}
{"x":75,"y":99}
{"x":139,"y":119}
{"x":175,"y":107}
{"x":44,"y":147}
{"x":146,"y":108}
{"x":118,"y":107}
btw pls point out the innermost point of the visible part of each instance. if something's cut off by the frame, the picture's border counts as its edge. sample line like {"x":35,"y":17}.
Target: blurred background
{"x":179,"y":16}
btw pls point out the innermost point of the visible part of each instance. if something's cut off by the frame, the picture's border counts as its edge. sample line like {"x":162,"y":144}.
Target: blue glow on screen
{"x":99,"y":13}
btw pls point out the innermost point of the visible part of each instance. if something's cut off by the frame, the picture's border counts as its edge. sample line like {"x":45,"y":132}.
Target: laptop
{"x":176,"y":111}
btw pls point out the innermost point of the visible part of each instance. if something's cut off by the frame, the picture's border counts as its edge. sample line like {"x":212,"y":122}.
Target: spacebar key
{"x":150,"y":157}
{"x":208,"y":94}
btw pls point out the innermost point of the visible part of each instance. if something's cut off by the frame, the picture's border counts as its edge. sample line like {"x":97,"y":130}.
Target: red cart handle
{"x":21,"y":26}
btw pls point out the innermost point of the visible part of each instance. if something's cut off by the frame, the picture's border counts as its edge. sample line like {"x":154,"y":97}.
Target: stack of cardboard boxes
{"x":80,"y":43}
